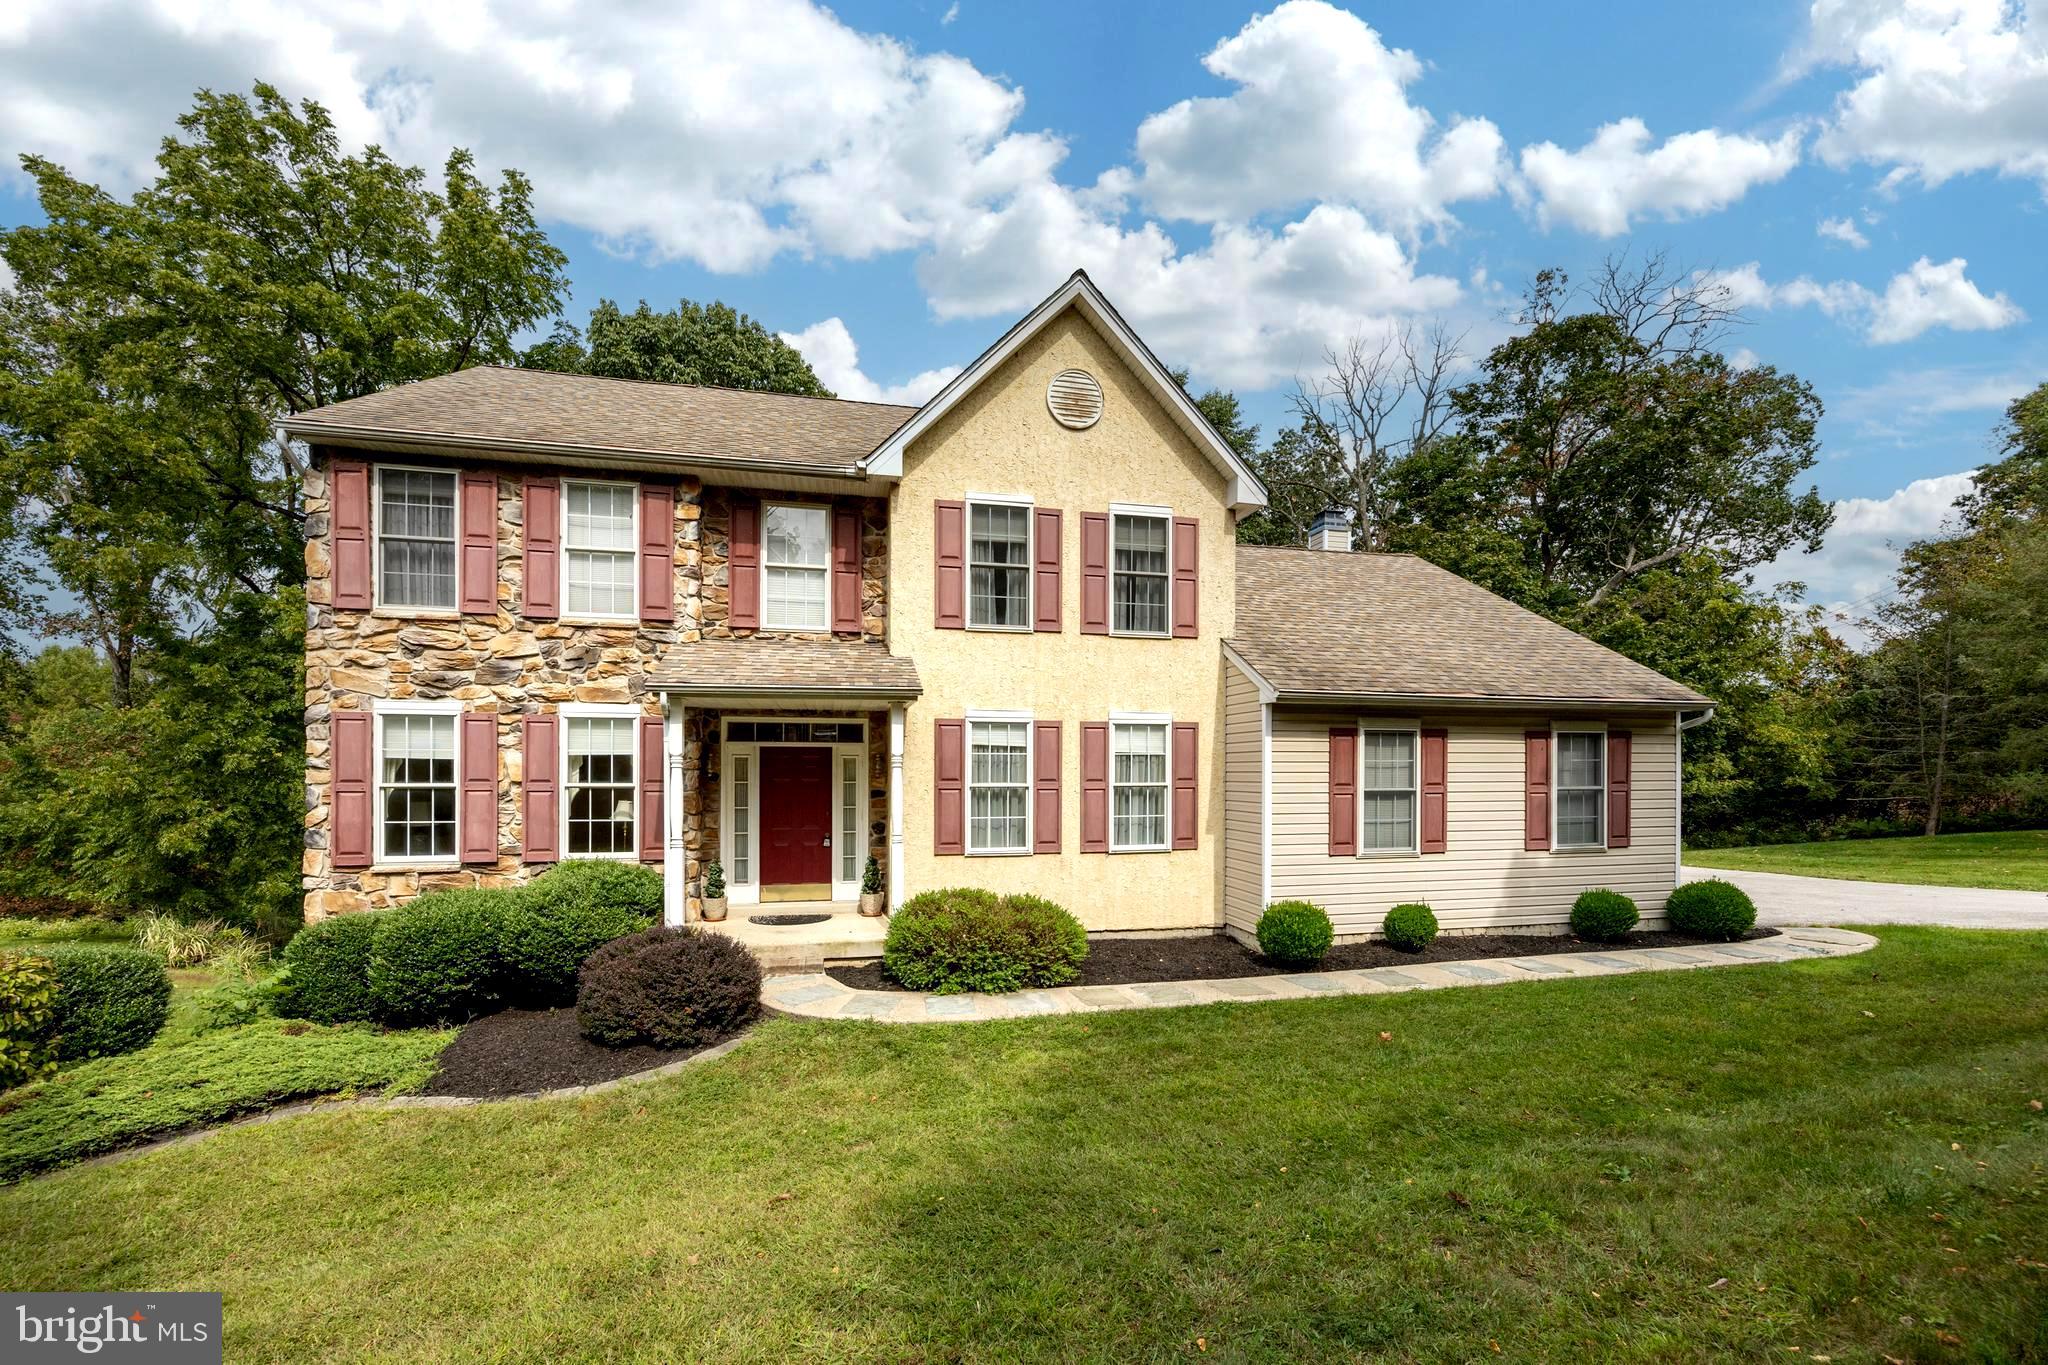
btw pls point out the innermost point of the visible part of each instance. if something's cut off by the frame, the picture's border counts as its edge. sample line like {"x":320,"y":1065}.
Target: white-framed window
{"x":1138,"y":783}
{"x":1580,"y":789}
{"x":1387,"y":790}
{"x":600,"y":537}
{"x":999,"y":783}
{"x":416,"y":531}
{"x":600,"y":756}
{"x":417,"y":789}
{"x":998,"y":563}
{"x":796,"y":560}
{"x":741,"y":767}
{"x":852,"y":848}
{"x":1140,"y":554}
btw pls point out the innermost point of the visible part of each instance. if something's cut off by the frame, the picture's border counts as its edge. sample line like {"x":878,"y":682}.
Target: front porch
{"x":845,"y":935}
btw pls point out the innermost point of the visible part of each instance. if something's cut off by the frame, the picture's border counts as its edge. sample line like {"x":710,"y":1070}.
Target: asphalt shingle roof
{"x":863,"y":669}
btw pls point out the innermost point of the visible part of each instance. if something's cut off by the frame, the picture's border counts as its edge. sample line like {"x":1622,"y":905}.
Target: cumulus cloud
{"x":1853,"y":570}
{"x":6,"y":276}
{"x":1842,"y":230}
{"x":1917,"y":299}
{"x":830,"y":348}
{"x":1620,"y":176}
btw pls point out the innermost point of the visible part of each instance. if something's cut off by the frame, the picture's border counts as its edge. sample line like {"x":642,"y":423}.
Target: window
{"x":998,"y":786}
{"x":599,"y":786}
{"x":1137,"y":785}
{"x":742,"y":766}
{"x":416,"y":538}
{"x":416,"y":785}
{"x":797,"y":545}
{"x":1581,"y":789}
{"x":598,"y":540}
{"x":1137,"y":591}
{"x":849,"y":818}
{"x":998,"y":566}
{"x":1386,"y":791}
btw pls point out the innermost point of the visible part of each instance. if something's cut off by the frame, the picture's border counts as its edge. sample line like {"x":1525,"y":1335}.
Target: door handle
{"x":828,"y":841}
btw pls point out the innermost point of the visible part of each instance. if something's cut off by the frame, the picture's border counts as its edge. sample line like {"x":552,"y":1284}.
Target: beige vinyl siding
{"x":1484,"y":879}
{"x":1243,"y":793}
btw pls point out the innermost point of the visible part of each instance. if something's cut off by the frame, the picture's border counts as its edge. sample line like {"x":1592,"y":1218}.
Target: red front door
{"x":796,"y":817}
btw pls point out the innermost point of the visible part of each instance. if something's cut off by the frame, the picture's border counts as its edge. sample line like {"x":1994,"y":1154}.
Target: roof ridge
{"x":671,"y":384}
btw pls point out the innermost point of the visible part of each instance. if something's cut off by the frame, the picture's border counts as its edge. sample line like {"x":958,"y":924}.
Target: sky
{"x":890,"y":185}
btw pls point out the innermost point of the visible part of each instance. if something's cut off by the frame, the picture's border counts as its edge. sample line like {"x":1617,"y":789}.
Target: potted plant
{"x":871,"y":902}
{"x":714,"y":891}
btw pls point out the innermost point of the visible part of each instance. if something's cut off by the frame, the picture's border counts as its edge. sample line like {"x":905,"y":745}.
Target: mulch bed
{"x":517,"y":1052}
{"x":1115,"y":961}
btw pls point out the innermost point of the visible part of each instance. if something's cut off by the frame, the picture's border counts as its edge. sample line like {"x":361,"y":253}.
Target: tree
{"x":692,"y":344}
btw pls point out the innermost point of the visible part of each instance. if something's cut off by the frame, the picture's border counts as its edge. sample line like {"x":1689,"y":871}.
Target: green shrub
{"x":327,"y":970}
{"x":1295,"y":932}
{"x":968,"y":940}
{"x":28,"y":999}
{"x":1411,"y":928}
{"x":549,"y":931}
{"x":177,"y":942}
{"x":668,"y":987}
{"x":109,"y":1000}
{"x":1711,"y":909}
{"x":714,"y":880}
{"x":1603,"y":916}
{"x":871,"y":878}
{"x":438,"y":957}
{"x":604,"y":882}
{"x":232,"y":1004}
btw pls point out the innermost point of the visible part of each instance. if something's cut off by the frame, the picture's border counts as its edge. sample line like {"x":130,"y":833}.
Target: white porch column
{"x":674,"y":885}
{"x":895,"y":805}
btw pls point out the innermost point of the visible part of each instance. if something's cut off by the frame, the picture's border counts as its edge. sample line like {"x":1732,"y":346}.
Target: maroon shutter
{"x":1619,"y":760}
{"x":1095,"y":788}
{"x":476,"y":521}
{"x":743,"y":566}
{"x":653,"y":832}
{"x":1187,"y":764}
{"x":1536,"y":790}
{"x":540,"y":819}
{"x":657,"y":552}
{"x":1343,"y":792}
{"x":949,"y":768}
{"x":541,"y":571}
{"x":949,"y":560}
{"x":1187,"y":595}
{"x":348,"y":518}
{"x":1436,"y":746}
{"x":1045,"y":787}
{"x":1045,"y":569}
{"x":479,"y":754}
{"x":350,"y":763}
{"x":1095,"y":573}
{"x":846,"y":571}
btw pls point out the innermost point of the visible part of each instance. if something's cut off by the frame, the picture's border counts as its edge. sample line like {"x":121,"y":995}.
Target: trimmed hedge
{"x":1295,"y":932}
{"x":109,"y":1000}
{"x":964,"y":939}
{"x":1603,"y":916}
{"x":1711,"y":909}
{"x":627,"y":888}
{"x":438,"y":957}
{"x":672,"y":988}
{"x":327,"y":970}
{"x":1411,"y":928}
{"x":28,"y":999}
{"x":552,"y":926}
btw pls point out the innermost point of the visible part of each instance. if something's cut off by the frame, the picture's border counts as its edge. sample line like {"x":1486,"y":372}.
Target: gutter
{"x":1694,"y":722}
{"x":379,"y":437}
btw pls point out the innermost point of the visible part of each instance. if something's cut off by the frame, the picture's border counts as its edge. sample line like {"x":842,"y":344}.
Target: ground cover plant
{"x":2013,"y":861}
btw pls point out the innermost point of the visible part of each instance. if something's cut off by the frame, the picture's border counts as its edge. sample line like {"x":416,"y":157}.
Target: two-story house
{"x":1005,"y":639}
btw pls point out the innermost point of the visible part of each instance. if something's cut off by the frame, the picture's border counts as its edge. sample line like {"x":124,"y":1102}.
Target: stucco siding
{"x":1243,"y":799}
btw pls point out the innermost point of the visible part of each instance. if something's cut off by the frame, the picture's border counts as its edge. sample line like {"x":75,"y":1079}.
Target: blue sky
{"x":892,"y":184}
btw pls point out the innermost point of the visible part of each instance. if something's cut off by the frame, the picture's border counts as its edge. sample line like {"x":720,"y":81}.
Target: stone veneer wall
{"x":515,"y":666}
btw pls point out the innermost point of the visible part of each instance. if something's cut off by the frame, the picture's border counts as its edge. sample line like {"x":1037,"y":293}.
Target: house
{"x":1006,"y":639}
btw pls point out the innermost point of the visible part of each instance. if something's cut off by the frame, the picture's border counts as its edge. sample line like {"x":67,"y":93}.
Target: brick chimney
{"x":1331,"y":530}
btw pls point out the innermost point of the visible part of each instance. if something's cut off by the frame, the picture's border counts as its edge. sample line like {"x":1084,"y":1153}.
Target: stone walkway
{"x":814,"y":995}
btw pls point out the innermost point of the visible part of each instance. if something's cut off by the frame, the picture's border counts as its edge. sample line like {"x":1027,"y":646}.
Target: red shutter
{"x":653,"y":766}
{"x":540,"y":819}
{"x":1536,"y":790}
{"x":1045,"y":787}
{"x":1436,"y":746}
{"x":1187,"y":765}
{"x":479,"y":753}
{"x":1045,"y":569}
{"x":477,"y":573}
{"x":353,"y":830}
{"x":348,"y":519}
{"x":657,"y":552}
{"x":1187,"y":595}
{"x":1095,"y":787}
{"x":1619,"y":759}
{"x":846,"y":571}
{"x":1343,"y":793}
{"x":541,"y":520}
{"x":949,"y":559}
{"x":1095,"y":573}
{"x":949,"y":767}
{"x":743,"y":566}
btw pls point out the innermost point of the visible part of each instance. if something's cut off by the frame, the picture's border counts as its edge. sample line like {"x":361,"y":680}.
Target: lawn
{"x":1836,"y":1156}
{"x":2013,"y":861}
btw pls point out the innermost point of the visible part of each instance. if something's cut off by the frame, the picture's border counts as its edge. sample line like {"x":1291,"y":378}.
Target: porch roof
{"x":744,"y":671}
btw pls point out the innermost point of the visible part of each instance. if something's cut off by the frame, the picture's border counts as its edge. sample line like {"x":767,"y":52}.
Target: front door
{"x":796,"y":823}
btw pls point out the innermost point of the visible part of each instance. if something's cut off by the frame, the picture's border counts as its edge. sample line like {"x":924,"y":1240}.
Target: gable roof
{"x":1316,"y":625}
{"x":1244,"y":494}
{"x":841,"y":670}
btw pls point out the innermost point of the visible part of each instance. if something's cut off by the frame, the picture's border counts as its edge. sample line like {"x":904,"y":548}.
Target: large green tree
{"x":693,"y":343}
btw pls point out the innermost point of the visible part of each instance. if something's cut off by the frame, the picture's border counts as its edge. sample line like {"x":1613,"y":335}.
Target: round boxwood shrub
{"x":1295,"y":932}
{"x":1603,"y":916}
{"x":601,"y":883}
{"x":668,"y":987}
{"x":963,"y":939}
{"x":109,"y":1000}
{"x":438,"y":958}
{"x":1411,"y":928}
{"x":1711,"y":909}
{"x":550,"y":928}
{"x":327,"y":970}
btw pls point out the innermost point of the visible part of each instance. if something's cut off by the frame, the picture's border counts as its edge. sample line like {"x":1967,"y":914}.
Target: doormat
{"x":787,"y":919}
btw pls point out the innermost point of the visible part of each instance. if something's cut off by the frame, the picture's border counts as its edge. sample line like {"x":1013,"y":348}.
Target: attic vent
{"x":1075,"y":399}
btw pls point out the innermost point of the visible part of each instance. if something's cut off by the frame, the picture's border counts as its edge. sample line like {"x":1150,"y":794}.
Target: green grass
{"x":2014,"y":861}
{"x":1566,"y":1169}
{"x":29,"y":933}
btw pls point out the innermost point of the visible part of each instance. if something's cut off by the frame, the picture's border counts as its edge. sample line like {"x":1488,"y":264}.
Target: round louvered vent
{"x":1075,"y":399}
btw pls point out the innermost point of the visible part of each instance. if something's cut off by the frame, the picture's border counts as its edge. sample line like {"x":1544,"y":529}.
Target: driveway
{"x":1825,"y":900}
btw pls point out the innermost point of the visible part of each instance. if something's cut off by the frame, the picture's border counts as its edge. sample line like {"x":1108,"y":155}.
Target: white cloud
{"x":1843,"y":231}
{"x":1930,"y":295}
{"x":952,"y":13}
{"x":1852,"y":572}
{"x":1916,"y":397}
{"x":1619,"y":177}
{"x":1742,"y":358}
{"x":6,"y":276}
{"x":830,"y":348}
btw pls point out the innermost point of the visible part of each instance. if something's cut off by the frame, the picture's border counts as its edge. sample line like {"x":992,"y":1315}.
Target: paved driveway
{"x":1781,"y":899}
